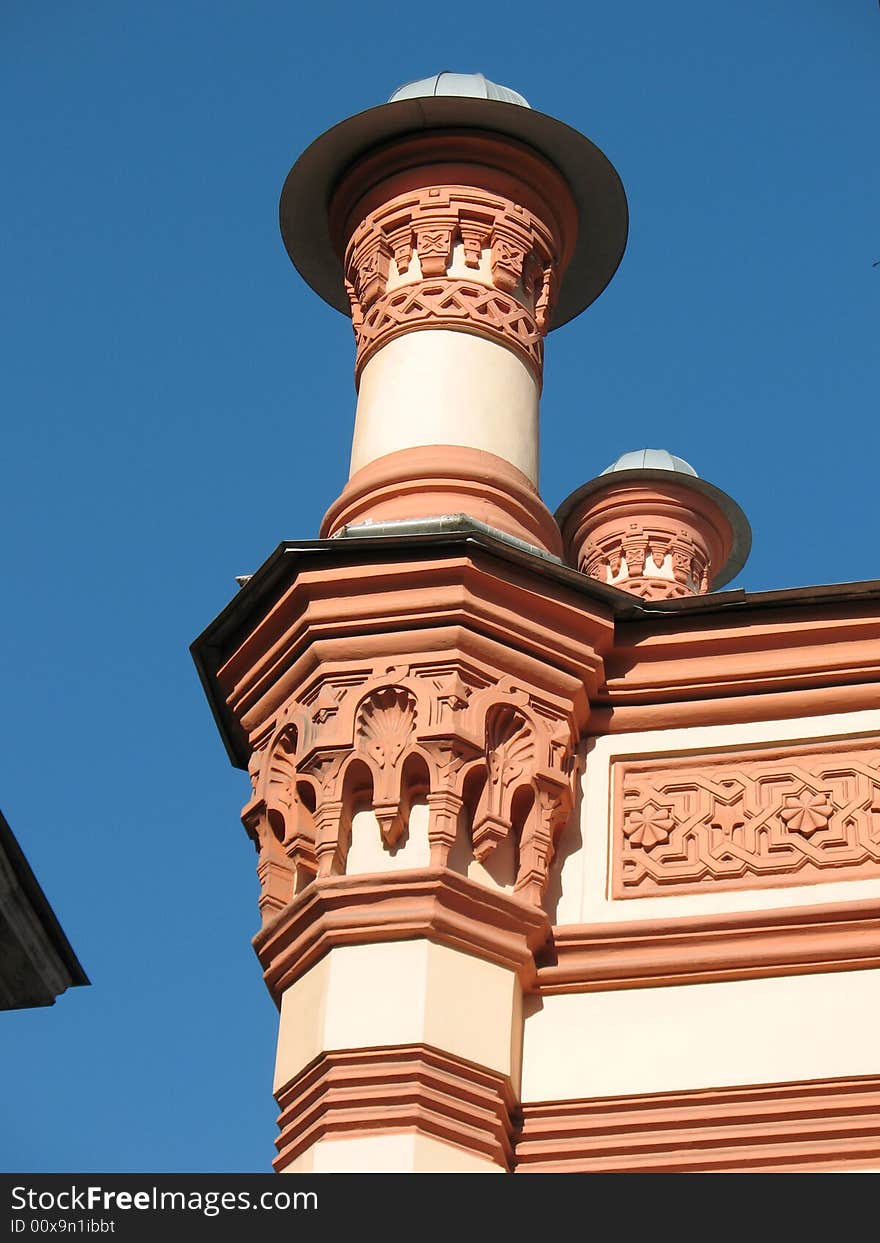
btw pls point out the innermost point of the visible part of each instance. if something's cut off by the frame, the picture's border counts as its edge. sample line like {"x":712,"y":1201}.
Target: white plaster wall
{"x":398,"y":993}
{"x":583,"y":881}
{"x":706,"y":1036}
{"x":439,"y":387}
{"x":402,"y":1153}
{"x":369,"y":853}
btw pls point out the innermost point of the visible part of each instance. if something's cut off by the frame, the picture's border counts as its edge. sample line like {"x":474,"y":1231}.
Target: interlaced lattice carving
{"x":450,"y":304}
{"x":776,"y":816}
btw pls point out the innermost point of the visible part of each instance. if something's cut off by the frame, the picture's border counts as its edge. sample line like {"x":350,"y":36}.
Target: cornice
{"x":638,"y":693}
{"x":711,"y":657}
{"x":436,"y":903}
{"x":809,"y":1126}
{"x":651,"y":953}
{"x":37,"y":962}
{"x":263,"y":591}
{"x":425,"y":606}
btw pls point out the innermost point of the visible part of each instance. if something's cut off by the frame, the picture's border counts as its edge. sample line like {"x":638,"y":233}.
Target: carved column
{"x":410,"y":709}
{"x":450,"y":747}
{"x":454,"y":248}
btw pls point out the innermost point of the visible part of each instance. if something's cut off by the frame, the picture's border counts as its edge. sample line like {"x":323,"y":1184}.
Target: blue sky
{"x":176,"y":402}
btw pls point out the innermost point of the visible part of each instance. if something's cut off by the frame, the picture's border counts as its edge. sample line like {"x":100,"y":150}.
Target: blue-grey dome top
{"x":470,"y":85}
{"x":651,"y":459}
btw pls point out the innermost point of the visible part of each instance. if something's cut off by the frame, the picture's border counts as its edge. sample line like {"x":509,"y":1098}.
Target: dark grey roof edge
{"x":40,"y":905}
{"x":212,"y":645}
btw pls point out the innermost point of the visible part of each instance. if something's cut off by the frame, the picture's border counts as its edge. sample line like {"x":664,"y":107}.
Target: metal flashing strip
{"x":438,"y":526}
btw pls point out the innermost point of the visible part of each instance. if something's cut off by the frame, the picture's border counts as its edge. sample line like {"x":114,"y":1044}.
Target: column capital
{"x":436,"y":904}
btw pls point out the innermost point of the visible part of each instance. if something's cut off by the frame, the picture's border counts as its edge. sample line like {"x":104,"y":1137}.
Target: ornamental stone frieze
{"x":492,"y":760}
{"x":766,"y":816}
{"x":466,"y":232}
{"x":474,"y":711}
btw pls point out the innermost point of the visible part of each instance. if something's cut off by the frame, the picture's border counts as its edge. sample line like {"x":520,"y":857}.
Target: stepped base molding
{"x":435,"y":480}
{"x":809,"y":1126}
{"x":357,"y":1093}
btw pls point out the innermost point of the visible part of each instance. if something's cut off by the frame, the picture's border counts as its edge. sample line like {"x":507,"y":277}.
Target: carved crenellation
{"x":650,"y":561}
{"x":652,"y":533}
{"x":452,"y":256}
{"x":487,"y":757}
{"x":771,"y":816}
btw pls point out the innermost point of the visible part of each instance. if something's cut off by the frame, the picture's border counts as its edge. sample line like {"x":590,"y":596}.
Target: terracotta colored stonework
{"x":464,"y":721}
{"x":409,"y":1087}
{"x":449,"y":734}
{"x":831,"y":1124}
{"x":785,"y":663}
{"x":771,"y":816}
{"x":445,"y":479}
{"x":658,"y":541}
{"x":705,"y":949}
{"x":411,"y":705}
{"x":436,"y":904}
{"x":469,"y":233}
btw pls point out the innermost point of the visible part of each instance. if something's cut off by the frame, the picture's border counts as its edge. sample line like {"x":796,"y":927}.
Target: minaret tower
{"x":408,"y":692}
{"x":650,"y":526}
{"x":455,"y":226}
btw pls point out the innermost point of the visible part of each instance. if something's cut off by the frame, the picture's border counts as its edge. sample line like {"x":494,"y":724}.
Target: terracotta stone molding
{"x":477,"y":749}
{"x":468,"y":232}
{"x":343,"y":611}
{"x":436,"y":904}
{"x":447,"y":479}
{"x":665,"y":660}
{"x":457,"y":305}
{"x":778,"y":814}
{"x":646,"y":953}
{"x":480,"y":719}
{"x":658,"y":541}
{"x":346,"y":1094}
{"x":831,"y":1124}
{"x":775,"y":663}
{"x":731,"y":710}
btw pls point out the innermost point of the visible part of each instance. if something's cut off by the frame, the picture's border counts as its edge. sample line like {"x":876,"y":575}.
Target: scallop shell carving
{"x":385,"y":725}
{"x":509,"y":745}
{"x":281,"y":768}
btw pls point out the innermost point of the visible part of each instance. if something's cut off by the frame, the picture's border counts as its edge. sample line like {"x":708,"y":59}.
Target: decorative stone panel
{"x":780,"y":815}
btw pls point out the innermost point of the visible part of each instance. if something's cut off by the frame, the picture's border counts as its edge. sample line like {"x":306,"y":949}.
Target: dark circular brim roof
{"x":603,"y":218}
{"x":742,"y":531}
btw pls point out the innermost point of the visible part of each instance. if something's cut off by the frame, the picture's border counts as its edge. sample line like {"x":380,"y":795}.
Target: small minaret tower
{"x":650,"y":526}
{"x":408,"y":691}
